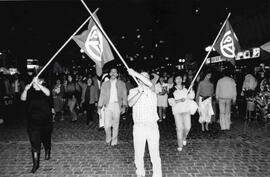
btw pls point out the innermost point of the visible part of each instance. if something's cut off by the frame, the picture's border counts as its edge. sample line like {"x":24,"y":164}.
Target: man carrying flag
{"x":227,"y":44}
{"x":93,"y":43}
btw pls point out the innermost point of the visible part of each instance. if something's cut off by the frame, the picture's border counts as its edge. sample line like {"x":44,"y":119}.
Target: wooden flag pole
{"x":61,"y":48}
{"x":107,"y":38}
{"x":212,"y":46}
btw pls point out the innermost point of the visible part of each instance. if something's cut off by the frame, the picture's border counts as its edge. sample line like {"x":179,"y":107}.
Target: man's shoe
{"x":179,"y":149}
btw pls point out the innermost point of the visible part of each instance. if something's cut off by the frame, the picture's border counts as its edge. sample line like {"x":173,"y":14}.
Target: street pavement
{"x":78,"y":150}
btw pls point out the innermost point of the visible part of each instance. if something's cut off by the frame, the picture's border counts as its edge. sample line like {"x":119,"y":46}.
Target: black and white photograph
{"x":134,"y":88}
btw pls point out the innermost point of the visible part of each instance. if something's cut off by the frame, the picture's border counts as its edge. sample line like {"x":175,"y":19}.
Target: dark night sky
{"x":38,"y":28}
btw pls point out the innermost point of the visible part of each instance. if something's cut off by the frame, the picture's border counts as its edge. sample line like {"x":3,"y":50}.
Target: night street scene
{"x":135,"y":88}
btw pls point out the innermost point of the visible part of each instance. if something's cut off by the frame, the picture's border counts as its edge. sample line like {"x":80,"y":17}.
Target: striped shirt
{"x":145,"y":109}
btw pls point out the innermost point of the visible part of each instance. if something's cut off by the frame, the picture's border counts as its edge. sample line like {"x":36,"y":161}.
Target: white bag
{"x":101,"y":117}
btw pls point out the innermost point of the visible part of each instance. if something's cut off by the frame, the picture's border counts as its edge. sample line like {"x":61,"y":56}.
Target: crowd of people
{"x":155,"y":97}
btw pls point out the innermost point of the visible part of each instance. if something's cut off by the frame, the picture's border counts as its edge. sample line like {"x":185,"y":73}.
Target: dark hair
{"x":114,"y":67}
{"x":226,"y":72}
{"x":205,"y":74}
{"x":160,"y":78}
{"x":180,"y":73}
{"x":144,"y":70}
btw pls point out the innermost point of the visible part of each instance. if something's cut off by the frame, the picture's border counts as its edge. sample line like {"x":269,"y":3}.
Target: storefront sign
{"x":243,"y":55}
{"x":247,"y":54}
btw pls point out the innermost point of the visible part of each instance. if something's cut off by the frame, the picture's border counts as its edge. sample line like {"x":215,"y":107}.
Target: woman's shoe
{"x":179,"y":149}
{"x":35,"y":157}
{"x":184,"y":142}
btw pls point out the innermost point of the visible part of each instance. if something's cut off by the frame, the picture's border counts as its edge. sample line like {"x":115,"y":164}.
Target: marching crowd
{"x":156,"y":96}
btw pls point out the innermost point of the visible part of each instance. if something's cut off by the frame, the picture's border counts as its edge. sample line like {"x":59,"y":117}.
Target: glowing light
{"x":81,"y":51}
{"x":208,"y":48}
{"x":123,"y":37}
{"x":138,"y":36}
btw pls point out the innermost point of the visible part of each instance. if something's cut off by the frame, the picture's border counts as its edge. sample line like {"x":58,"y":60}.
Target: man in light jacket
{"x":113,"y":96}
{"x":226,"y":95}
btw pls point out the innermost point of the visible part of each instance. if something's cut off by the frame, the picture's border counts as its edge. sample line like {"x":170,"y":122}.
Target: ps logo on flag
{"x":227,"y":45}
{"x":94,"y":44}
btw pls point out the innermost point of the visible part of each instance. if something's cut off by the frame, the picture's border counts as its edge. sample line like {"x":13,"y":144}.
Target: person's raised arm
{"x":24,"y":93}
{"x":155,"y":79}
{"x":145,"y":80}
{"x":44,"y":89}
{"x":134,"y":96}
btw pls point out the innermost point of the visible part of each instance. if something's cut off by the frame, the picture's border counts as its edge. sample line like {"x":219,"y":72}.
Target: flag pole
{"x":212,"y":46}
{"x":59,"y":50}
{"x":107,"y":38}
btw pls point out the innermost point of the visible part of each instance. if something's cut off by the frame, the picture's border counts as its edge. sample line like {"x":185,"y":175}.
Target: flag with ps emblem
{"x":227,"y":44}
{"x":94,"y":44}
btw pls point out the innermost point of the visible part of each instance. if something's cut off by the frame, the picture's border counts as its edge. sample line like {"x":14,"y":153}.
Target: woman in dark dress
{"x":39,"y":123}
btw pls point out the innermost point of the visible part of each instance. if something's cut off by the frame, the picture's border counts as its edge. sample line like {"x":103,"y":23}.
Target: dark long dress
{"x":39,"y":123}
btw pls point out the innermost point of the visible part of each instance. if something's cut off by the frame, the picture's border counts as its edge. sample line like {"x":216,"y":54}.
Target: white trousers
{"x":111,"y":121}
{"x":141,"y":134}
{"x":225,"y":113}
{"x":183,"y":125}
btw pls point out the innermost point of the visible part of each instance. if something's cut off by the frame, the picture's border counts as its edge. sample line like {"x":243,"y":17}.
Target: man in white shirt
{"x":143,"y":99}
{"x":113,"y":96}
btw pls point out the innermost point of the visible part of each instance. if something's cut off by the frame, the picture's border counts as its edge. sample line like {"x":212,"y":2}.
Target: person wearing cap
{"x":39,"y":119}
